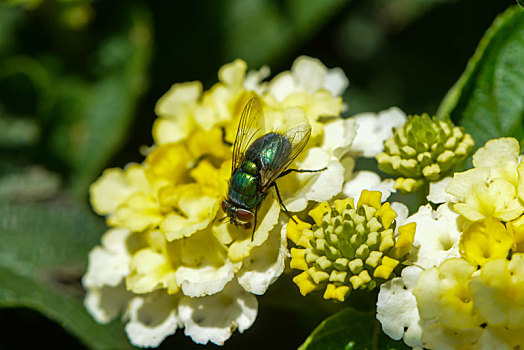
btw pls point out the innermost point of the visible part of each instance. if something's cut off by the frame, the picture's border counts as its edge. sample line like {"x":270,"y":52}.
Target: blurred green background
{"x":78,"y":85}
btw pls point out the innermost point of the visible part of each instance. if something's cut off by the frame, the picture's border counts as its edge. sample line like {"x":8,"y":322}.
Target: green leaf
{"x":9,"y":18}
{"x":28,"y":183}
{"x":350,"y":329}
{"x":259,"y":31}
{"x":110,"y":111}
{"x":43,"y":254}
{"x":488,"y":98}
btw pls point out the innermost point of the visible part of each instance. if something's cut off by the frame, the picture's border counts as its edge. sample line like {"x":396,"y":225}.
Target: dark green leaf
{"x":43,"y":254}
{"x":106,"y":108}
{"x":350,"y":329}
{"x":9,"y":18}
{"x":261,"y":30}
{"x":28,"y":183}
{"x":488,"y":99}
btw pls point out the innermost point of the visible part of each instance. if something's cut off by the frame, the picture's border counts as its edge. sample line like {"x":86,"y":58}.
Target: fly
{"x":258,"y":160}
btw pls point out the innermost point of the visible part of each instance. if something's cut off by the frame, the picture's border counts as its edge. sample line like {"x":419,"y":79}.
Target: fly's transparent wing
{"x":249,"y":129}
{"x":298,"y":138}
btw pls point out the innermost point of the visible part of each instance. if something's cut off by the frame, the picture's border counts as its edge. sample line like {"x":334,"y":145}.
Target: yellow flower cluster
{"x":478,"y":300}
{"x":348,"y":247}
{"x":171,"y":202}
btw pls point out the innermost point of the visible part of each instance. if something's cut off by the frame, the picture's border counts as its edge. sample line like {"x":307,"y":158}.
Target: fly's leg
{"x":274,"y":184}
{"x":198,"y":160}
{"x":254,"y":225}
{"x":204,"y":156}
{"x":226,"y":142}
{"x":301,"y":171}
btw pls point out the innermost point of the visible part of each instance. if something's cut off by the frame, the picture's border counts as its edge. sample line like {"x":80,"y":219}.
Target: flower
{"x":374,"y":129}
{"x":187,"y":268}
{"x":422,"y":150}
{"x":348,"y":247}
{"x":495,"y":186}
{"x":367,"y":180}
{"x":468,"y":308}
{"x":485,"y":240}
{"x":436,"y":240}
{"x":464,"y":288}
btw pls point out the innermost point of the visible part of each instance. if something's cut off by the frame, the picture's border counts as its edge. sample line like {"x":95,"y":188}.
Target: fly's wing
{"x":250,"y":127}
{"x":298,"y":138}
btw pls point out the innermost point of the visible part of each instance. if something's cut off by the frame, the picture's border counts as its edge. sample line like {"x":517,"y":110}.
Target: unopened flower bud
{"x":424,"y":149}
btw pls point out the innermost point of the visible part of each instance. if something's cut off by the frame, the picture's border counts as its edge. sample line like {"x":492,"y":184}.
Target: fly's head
{"x":237,"y":216}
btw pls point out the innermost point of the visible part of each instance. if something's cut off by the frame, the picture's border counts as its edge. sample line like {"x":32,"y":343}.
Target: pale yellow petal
{"x":109,"y":191}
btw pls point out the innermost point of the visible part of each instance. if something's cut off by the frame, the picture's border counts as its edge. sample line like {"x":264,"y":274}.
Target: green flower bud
{"x":424,"y":149}
{"x":348,"y":247}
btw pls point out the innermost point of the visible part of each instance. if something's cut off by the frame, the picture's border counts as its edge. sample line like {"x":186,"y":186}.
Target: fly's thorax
{"x":250,"y":168}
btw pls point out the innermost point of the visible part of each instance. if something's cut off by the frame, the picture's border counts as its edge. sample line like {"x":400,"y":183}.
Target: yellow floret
{"x":341,"y":204}
{"x":297,"y":259}
{"x":294,"y":230}
{"x":405,"y":240}
{"x":304,"y":283}
{"x":371,"y":198}
{"x":337,"y":293}
{"x":318,"y":212}
{"x":386,"y":214}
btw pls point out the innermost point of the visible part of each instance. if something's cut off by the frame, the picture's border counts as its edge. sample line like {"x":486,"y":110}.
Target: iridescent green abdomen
{"x":243,"y":189}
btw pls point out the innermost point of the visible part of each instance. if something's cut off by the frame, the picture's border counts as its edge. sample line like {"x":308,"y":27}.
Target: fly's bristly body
{"x":258,"y":160}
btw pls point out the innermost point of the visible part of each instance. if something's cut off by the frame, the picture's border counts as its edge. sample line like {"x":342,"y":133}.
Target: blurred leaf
{"x":9,"y":18}
{"x":31,"y":183}
{"x":42,"y":257}
{"x":260,"y":31}
{"x":488,"y":98}
{"x":101,"y":113}
{"x":17,"y":132}
{"x":350,"y":329}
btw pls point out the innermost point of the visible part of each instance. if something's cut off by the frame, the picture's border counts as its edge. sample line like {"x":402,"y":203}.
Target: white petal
{"x":338,"y":136}
{"x":396,"y":310}
{"x":106,"y":303}
{"x":402,"y":212}
{"x":109,"y":263}
{"x":206,"y":280}
{"x":214,"y":318}
{"x":282,"y":85}
{"x":265,"y":263}
{"x":317,"y":187}
{"x":254,"y":78}
{"x":336,"y":81}
{"x":152,"y":318}
{"x":367,"y":180}
{"x":436,"y":237}
{"x":410,"y":275}
{"x":309,"y":73}
{"x":374,"y":129}
{"x":437,"y":191}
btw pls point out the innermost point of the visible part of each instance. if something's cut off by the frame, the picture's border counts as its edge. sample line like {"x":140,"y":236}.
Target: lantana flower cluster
{"x":424,"y":150}
{"x":168,"y":261}
{"x":465,"y":286}
{"x":349,"y":247}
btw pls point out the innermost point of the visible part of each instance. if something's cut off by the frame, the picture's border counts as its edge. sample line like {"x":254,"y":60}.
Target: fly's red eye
{"x":224,"y":205}
{"x":244,"y":215}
